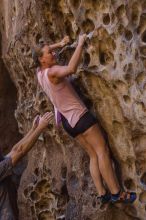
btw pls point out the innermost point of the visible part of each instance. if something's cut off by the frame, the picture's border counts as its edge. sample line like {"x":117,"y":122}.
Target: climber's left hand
{"x":65,"y":41}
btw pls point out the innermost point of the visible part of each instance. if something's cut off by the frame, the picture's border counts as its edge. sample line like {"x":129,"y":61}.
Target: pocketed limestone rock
{"x":56,"y":183}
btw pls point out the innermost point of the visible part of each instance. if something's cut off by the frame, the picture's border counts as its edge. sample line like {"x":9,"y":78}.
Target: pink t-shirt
{"x":63,"y":97}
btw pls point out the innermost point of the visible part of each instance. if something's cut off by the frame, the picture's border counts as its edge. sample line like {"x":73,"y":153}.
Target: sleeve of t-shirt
{"x":6,"y":168}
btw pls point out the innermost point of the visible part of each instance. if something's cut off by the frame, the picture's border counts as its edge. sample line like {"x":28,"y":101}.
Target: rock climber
{"x":76,"y":119}
{"x":10,"y":160}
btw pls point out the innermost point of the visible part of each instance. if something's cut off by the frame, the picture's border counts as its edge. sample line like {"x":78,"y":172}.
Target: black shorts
{"x":85,"y":122}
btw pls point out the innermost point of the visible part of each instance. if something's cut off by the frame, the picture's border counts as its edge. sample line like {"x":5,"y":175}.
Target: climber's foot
{"x":122,"y":196}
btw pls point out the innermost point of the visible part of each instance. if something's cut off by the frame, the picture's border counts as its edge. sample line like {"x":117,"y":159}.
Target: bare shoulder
{"x":53,"y":74}
{"x":52,"y":70}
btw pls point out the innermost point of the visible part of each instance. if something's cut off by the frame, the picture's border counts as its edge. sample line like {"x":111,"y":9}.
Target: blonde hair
{"x":37,"y":53}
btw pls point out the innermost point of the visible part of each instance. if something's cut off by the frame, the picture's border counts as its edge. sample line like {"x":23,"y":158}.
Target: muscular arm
{"x":63,"y":71}
{"x":6,"y":165}
{"x":22,"y":147}
{"x":17,"y":152}
{"x":62,"y":43}
{"x":24,"y":139}
{"x":55,"y":46}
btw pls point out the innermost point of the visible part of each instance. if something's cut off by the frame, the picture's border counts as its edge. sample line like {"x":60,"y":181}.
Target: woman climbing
{"x":78,"y":122}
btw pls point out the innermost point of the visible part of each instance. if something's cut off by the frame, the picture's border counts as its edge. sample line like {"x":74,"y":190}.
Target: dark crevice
{"x":144,"y":37}
{"x":9,"y":133}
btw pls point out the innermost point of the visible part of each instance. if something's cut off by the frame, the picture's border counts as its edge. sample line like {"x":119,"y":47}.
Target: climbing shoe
{"x":103,"y":201}
{"x":105,"y":198}
{"x":122,"y":196}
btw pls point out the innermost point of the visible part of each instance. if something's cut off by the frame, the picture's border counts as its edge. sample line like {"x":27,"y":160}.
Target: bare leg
{"x":94,"y":137}
{"x":94,"y":168}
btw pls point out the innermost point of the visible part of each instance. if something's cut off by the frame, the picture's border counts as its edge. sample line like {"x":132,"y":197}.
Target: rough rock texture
{"x":56,"y":183}
{"x":8,"y":95}
{"x":9,"y":133}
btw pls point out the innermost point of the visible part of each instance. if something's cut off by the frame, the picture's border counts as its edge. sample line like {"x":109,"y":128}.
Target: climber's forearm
{"x":75,"y":59}
{"x":63,"y":71}
{"x":62,"y":43}
{"x":55,"y":46}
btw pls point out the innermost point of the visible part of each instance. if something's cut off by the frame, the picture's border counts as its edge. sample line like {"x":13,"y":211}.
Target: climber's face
{"x":48,"y":58}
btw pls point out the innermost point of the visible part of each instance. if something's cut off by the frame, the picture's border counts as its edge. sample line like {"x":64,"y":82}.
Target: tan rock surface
{"x":56,"y":182}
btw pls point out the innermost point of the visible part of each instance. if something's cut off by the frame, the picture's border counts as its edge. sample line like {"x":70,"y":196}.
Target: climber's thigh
{"x":95,"y":138}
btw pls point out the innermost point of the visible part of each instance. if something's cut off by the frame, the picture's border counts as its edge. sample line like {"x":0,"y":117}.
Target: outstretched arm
{"x":34,"y":126}
{"x":63,"y":71}
{"x":60,"y":44}
{"x":23,"y":146}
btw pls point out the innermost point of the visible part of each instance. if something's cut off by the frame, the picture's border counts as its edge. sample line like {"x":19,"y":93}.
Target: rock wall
{"x":56,"y":183}
{"x":8,"y":96}
{"x":9,"y":133}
